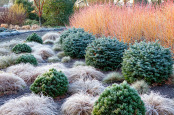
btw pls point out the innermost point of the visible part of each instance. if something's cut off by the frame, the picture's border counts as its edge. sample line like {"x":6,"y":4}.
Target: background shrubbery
{"x":57,"y":12}
{"x":128,"y":23}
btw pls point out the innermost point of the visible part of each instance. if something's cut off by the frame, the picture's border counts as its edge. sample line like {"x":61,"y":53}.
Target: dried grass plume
{"x":92,"y":87}
{"x":78,"y":104}
{"x":10,"y":83}
{"x":157,"y":104}
{"x":29,"y":105}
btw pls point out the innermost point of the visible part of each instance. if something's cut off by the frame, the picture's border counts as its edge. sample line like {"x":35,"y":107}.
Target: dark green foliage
{"x":52,"y":83}
{"x":27,"y":58}
{"x":148,"y":61}
{"x":68,"y":32}
{"x":105,"y":53}
{"x":29,"y":8}
{"x":20,"y":48}
{"x":75,"y":44}
{"x":34,"y":38}
{"x":119,"y":100}
{"x":57,"y":12}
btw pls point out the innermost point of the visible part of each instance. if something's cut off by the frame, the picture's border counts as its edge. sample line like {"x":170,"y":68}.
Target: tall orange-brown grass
{"x":129,"y":24}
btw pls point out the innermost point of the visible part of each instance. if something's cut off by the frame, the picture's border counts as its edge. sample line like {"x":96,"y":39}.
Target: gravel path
{"x":23,"y":36}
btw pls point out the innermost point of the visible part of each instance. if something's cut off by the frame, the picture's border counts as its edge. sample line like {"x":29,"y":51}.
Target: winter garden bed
{"x":77,"y":86}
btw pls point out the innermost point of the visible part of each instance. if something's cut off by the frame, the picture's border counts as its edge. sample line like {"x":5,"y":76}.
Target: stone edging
{"x":13,"y":33}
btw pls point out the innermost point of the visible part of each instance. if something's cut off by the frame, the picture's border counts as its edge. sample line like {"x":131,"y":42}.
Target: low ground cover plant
{"x":21,"y":48}
{"x":27,"y":58}
{"x":34,"y":38}
{"x":149,"y":61}
{"x":105,"y":53}
{"x":52,"y":83}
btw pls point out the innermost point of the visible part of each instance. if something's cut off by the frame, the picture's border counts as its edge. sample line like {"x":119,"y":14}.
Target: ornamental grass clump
{"x":51,"y":36}
{"x":119,"y":100}
{"x":21,"y":48}
{"x":113,"y":77}
{"x":27,"y":58}
{"x":52,"y":83}
{"x":78,"y":104}
{"x":105,"y":53}
{"x":149,"y":61}
{"x":141,"y":86}
{"x":75,"y":44}
{"x":10,"y":83}
{"x":29,"y":105}
{"x":34,"y":38}
{"x":157,"y":104}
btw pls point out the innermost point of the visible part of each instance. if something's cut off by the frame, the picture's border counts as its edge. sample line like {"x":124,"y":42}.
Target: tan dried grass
{"x":29,"y":105}
{"x":10,"y":83}
{"x":78,"y":104}
{"x":157,"y":104}
{"x":92,"y":87}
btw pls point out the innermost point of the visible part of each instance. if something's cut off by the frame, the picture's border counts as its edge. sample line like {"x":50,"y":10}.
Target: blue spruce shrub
{"x":75,"y":44}
{"x":119,"y":100}
{"x":105,"y":53}
{"x":68,"y":32}
{"x":148,"y":61}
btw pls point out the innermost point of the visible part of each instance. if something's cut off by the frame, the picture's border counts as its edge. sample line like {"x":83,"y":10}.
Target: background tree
{"x":28,"y":7}
{"x":39,"y":9}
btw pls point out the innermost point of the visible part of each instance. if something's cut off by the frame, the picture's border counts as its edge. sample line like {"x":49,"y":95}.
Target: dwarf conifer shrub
{"x":148,"y":61}
{"x":68,"y":32}
{"x":75,"y":44}
{"x":52,"y":83}
{"x":34,"y":38}
{"x":119,"y":100}
{"x":105,"y":53}
{"x":21,"y":48}
{"x":27,"y":58}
